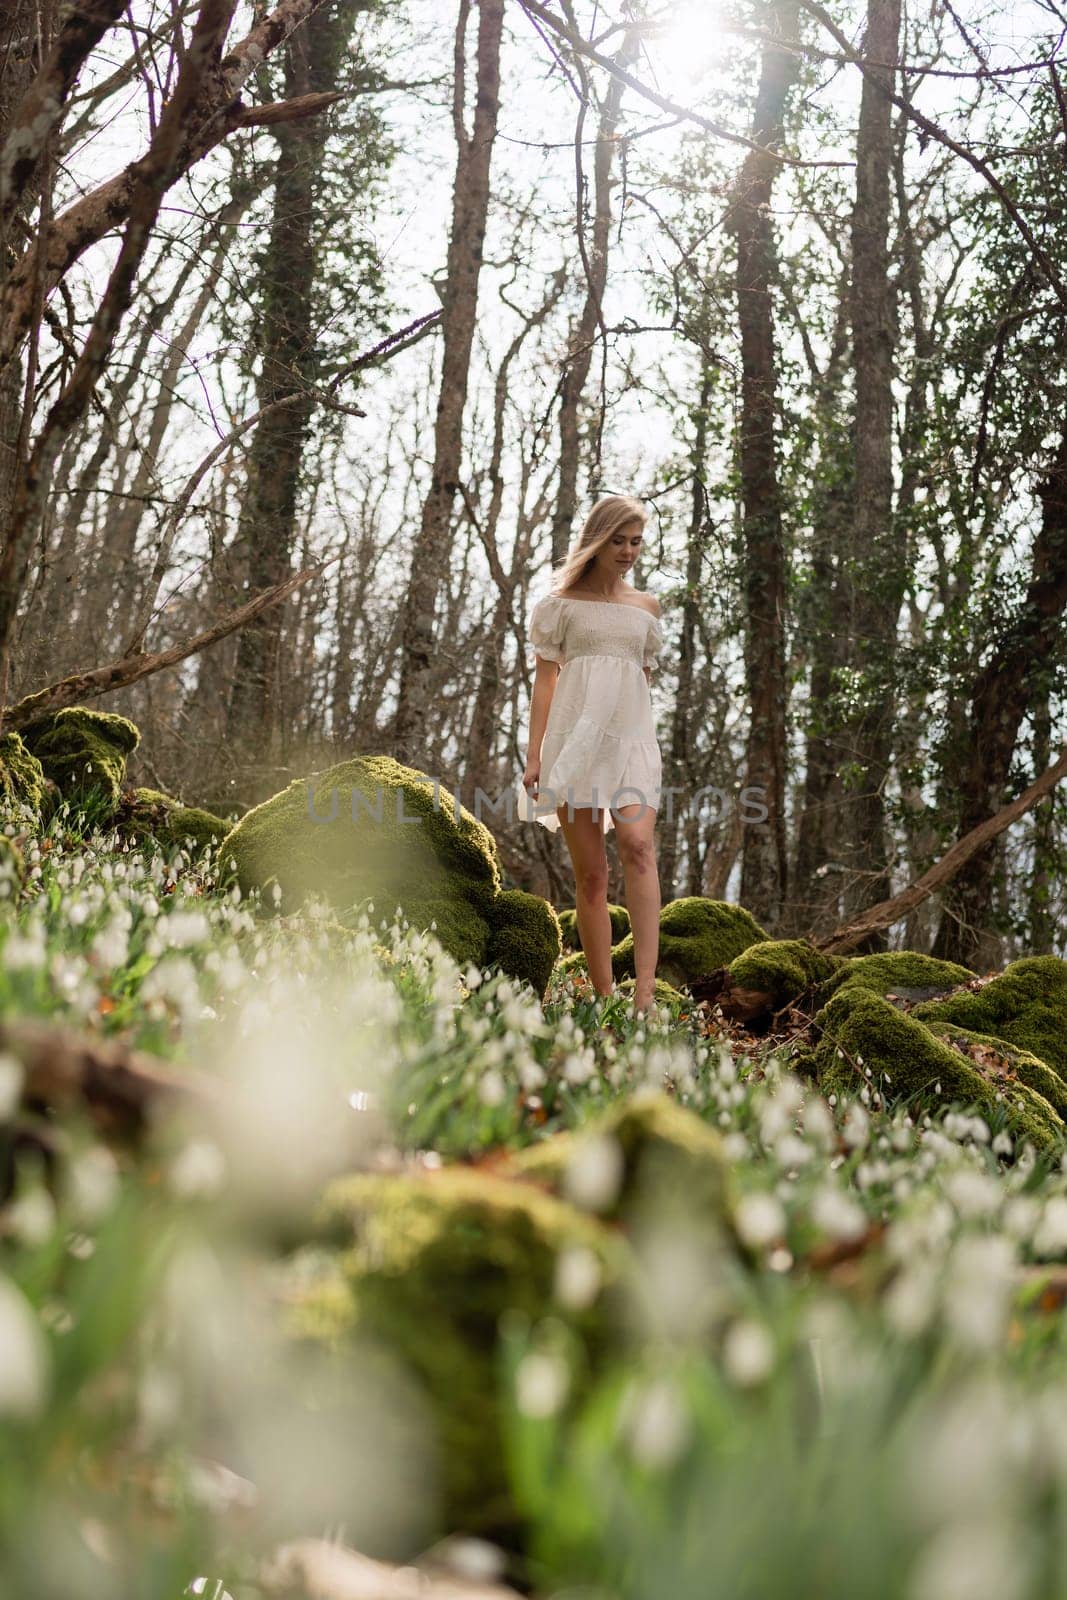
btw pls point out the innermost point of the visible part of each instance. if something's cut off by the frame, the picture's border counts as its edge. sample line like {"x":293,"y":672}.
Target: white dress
{"x":599,"y":747}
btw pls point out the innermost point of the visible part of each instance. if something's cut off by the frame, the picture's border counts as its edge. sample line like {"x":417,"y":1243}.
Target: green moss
{"x":12,"y":868}
{"x":665,"y":1150}
{"x":22,"y":779}
{"x":860,"y":1030}
{"x":524,"y":938}
{"x":434,"y":1263}
{"x":1025,"y":1005}
{"x":906,"y":973}
{"x":781,"y":969}
{"x":696,"y":936}
{"x":568,"y":923}
{"x":84,"y":752}
{"x":995,"y":1054}
{"x":368,"y":830}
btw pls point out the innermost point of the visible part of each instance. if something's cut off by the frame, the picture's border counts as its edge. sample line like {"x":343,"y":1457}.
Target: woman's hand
{"x":531,"y":778}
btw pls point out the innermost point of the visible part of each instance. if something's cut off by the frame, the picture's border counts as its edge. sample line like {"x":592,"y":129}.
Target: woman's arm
{"x":540,"y":703}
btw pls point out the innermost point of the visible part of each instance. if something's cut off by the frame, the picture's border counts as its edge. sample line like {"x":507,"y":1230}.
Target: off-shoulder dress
{"x":599,"y":747}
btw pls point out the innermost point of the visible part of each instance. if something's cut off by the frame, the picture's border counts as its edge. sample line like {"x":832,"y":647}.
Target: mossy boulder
{"x":372,"y":830}
{"x":663,"y":1149}
{"x":993,"y":1055}
{"x":908,"y":974}
{"x":696,"y":936}
{"x":432,"y":1263}
{"x":770,"y":974}
{"x":568,"y":924}
{"x":22,"y":779}
{"x":83,"y":752}
{"x":12,"y":868}
{"x":859,"y":1030}
{"x":1025,"y":1005}
{"x":524,"y":937}
{"x":662,"y":992}
{"x":151,"y":813}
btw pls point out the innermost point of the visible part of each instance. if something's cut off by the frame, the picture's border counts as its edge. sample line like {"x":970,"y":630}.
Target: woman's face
{"x":623,"y":548}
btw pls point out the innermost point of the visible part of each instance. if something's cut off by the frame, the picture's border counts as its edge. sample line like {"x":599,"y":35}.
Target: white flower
{"x":198,"y":1169}
{"x":658,"y":1424}
{"x":23,"y":1355}
{"x":492,"y":1089}
{"x":748,"y":1352}
{"x":578,"y":1277}
{"x":12,"y":1076}
{"x":980,"y":1281}
{"x":759,"y":1219}
{"x":92,"y":1184}
{"x":541,"y":1384}
{"x":974,"y":1194}
{"x":977,"y":1558}
{"x":1050,"y":1235}
{"x":836,"y":1214}
{"x":857,"y":1127}
{"x":594,"y":1173}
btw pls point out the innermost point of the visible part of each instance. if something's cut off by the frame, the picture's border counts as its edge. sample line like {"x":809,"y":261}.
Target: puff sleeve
{"x":546,"y":629}
{"x":653,"y":642}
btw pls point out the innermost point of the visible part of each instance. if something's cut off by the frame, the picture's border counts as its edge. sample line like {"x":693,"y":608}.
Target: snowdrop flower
{"x":542,"y":1381}
{"x":978,"y":1558}
{"x":979,"y":1286}
{"x":759,"y":1219}
{"x":974,"y":1194}
{"x":491,"y":1088}
{"x":23,"y":1355}
{"x":819,"y":1122}
{"x":578,"y":1277}
{"x":92,"y":1184}
{"x":12,"y":1076}
{"x":594,"y":1173}
{"x":857,"y":1127}
{"x":836,"y":1214}
{"x":657,"y":1424}
{"x":748,"y":1353}
{"x":1050,"y":1234}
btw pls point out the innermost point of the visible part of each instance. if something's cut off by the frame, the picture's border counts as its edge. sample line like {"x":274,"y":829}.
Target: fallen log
{"x":122,"y":1089}
{"x":886,"y":912}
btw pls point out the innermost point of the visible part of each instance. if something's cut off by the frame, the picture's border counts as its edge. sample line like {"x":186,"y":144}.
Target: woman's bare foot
{"x":644,"y":997}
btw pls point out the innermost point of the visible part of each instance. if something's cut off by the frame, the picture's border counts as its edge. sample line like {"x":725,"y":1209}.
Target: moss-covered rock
{"x":1005,"y":1061}
{"x":696,"y":936}
{"x":662,"y":992}
{"x":568,"y":923}
{"x":151,"y":813}
{"x":906,"y":973}
{"x":12,"y":868}
{"x":524,"y":938}
{"x":371,"y":830}
{"x":433,"y":1263}
{"x":1025,"y":1005}
{"x":22,"y":779}
{"x":770,"y":974}
{"x":84,"y":752}
{"x":860,"y":1031}
{"x":663,"y":1150}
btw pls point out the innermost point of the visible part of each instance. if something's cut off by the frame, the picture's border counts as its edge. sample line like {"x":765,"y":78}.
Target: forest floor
{"x":315,"y":1243}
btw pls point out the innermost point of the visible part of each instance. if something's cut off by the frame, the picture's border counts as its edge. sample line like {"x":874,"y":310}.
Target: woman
{"x":593,"y":752}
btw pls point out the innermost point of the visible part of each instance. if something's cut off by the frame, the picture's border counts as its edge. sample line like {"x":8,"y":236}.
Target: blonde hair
{"x":602,"y":523}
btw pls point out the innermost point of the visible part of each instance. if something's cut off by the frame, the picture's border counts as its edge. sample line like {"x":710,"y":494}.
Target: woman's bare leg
{"x":585,"y":841}
{"x":637,"y":852}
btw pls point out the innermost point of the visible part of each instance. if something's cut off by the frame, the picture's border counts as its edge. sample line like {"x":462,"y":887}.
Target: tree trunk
{"x":286,"y":337}
{"x":1000,"y":697}
{"x":876,"y":569}
{"x":470,"y":208}
{"x":764,"y":865}
{"x":595,"y":261}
